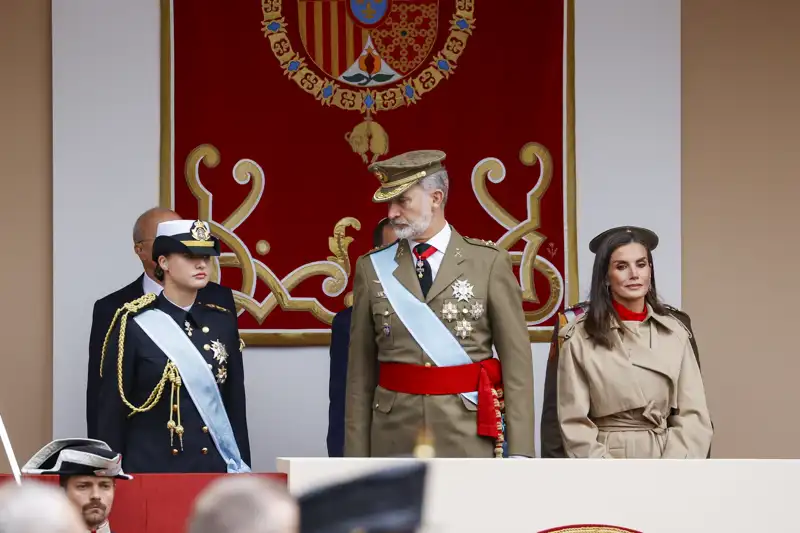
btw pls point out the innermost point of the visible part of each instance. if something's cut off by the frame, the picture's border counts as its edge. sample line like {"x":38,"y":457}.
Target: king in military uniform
{"x":427,"y":310}
{"x":174,"y":398}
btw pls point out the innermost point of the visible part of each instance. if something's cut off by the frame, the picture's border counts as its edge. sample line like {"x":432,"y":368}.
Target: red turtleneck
{"x":626,"y":314}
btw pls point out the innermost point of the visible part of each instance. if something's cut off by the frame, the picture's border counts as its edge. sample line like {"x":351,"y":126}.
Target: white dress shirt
{"x":149,"y":285}
{"x":438,"y":241}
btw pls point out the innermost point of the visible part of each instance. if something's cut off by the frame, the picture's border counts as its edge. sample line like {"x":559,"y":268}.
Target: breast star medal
{"x":462,"y":290}
{"x":449,"y":311}
{"x":463,"y":328}
{"x":219,"y":351}
{"x":476,"y":310}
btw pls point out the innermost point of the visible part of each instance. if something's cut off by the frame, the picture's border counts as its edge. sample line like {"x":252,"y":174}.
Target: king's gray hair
{"x":437,"y":180}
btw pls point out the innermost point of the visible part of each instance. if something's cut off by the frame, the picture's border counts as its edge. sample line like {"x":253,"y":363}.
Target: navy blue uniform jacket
{"x":102,"y":315}
{"x":143,"y":439}
{"x":337,"y":383}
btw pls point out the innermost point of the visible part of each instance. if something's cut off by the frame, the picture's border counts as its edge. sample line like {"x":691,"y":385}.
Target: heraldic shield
{"x":368,"y":43}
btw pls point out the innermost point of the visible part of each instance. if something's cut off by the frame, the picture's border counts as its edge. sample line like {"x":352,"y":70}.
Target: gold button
{"x":205,"y":329}
{"x":206,"y":347}
{"x":175,"y":408}
{"x":204,"y":451}
{"x":377,"y":405}
{"x":386,"y":313}
{"x":205,"y":429}
{"x":427,"y":365}
{"x":174,"y":451}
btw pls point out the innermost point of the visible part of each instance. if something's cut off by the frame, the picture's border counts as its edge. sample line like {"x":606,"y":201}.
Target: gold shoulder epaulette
{"x":218,"y":308}
{"x":379,"y":248}
{"x":129,"y":308}
{"x":482,"y":242}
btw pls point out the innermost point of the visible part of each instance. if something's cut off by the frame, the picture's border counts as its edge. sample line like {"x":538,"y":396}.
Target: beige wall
{"x":741,"y":80}
{"x":25,"y":216}
{"x":741,"y":187}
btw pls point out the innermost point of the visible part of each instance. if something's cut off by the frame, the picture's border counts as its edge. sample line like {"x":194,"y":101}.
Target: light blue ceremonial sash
{"x":419,"y":319}
{"x":198,"y":380}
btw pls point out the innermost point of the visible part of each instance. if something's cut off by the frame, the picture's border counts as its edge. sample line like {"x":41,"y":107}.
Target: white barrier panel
{"x":648,"y":496}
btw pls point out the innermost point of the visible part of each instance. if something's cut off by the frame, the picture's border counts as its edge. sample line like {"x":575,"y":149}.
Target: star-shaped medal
{"x":449,"y":311}
{"x":463,"y":328}
{"x":476,"y":310}
{"x":462,"y":290}
{"x":220,"y":352}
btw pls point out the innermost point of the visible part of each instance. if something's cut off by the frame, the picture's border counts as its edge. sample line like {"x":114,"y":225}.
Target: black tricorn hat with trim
{"x":77,"y":457}
{"x":643,"y":235}
{"x":185,"y":237}
{"x":390,"y":500}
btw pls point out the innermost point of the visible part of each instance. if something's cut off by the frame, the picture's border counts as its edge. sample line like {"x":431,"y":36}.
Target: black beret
{"x":643,"y":235}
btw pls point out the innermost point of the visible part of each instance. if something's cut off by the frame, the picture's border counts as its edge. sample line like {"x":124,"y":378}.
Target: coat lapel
{"x":451,"y":267}
{"x":405,"y":273}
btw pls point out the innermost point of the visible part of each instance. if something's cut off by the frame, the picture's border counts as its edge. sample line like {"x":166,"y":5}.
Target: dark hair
{"x":377,"y":234}
{"x":601,"y":311}
{"x":159,"y":272}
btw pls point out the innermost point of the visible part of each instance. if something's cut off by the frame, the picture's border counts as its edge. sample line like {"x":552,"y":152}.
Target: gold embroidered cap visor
{"x":185,"y":237}
{"x":401,"y":172}
{"x":643,"y":235}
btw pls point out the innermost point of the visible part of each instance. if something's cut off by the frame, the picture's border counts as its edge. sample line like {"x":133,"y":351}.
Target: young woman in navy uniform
{"x":174,"y":398}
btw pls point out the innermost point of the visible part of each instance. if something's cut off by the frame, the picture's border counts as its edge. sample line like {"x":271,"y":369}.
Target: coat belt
{"x":485,"y":376}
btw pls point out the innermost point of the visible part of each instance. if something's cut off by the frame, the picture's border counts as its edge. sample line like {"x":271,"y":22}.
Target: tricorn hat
{"x":185,"y":237}
{"x":401,"y":172}
{"x":77,"y":457}
{"x":390,"y":500}
{"x":643,"y":235}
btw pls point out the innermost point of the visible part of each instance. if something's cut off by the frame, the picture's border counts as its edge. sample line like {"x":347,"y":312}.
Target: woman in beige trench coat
{"x":628,"y":381}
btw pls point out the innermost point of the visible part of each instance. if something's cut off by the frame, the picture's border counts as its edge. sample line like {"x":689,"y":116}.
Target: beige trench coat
{"x":383,"y":423}
{"x":642,"y":399}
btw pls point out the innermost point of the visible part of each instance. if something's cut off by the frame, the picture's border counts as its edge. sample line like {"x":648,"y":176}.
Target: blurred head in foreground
{"x":244,"y":504}
{"x":35,"y":508}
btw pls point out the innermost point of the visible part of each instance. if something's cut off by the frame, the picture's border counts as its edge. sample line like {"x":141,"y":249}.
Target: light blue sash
{"x":428,"y":330}
{"x":198,"y":380}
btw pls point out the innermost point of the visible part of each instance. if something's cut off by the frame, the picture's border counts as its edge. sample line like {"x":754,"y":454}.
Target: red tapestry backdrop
{"x":276,"y":107}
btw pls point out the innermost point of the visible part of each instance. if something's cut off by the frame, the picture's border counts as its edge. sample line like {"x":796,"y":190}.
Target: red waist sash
{"x":486,"y":377}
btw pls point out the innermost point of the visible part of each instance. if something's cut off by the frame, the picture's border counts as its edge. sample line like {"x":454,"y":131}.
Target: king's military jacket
{"x":476,"y":295}
{"x":143,"y":438}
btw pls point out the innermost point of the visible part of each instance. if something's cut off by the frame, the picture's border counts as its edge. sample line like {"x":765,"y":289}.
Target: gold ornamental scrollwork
{"x":528,"y":260}
{"x":336,"y":268}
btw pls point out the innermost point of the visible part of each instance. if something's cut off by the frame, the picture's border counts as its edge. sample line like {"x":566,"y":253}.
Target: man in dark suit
{"x":340,"y":345}
{"x":144,"y":233}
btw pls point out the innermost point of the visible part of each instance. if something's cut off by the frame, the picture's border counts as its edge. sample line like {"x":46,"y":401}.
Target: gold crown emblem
{"x":200,"y":231}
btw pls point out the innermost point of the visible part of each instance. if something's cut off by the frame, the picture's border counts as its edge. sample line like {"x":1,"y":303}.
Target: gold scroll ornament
{"x":526,"y":230}
{"x":335,"y":268}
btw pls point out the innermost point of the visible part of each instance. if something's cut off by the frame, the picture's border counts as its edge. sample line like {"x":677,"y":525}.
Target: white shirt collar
{"x":187,"y":309}
{"x":440,"y":241}
{"x":149,"y":285}
{"x":104,"y":528}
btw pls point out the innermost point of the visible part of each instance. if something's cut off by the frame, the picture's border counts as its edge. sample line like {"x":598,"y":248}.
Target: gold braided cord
{"x":170,"y":370}
{"x":131,"y":307}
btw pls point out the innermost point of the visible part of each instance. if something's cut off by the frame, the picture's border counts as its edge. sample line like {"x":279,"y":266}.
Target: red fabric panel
{"x":230,"y":91}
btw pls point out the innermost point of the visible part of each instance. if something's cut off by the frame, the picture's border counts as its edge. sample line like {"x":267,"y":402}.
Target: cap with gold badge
{"x":185,"y":237}
{"x":401,"y":172}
